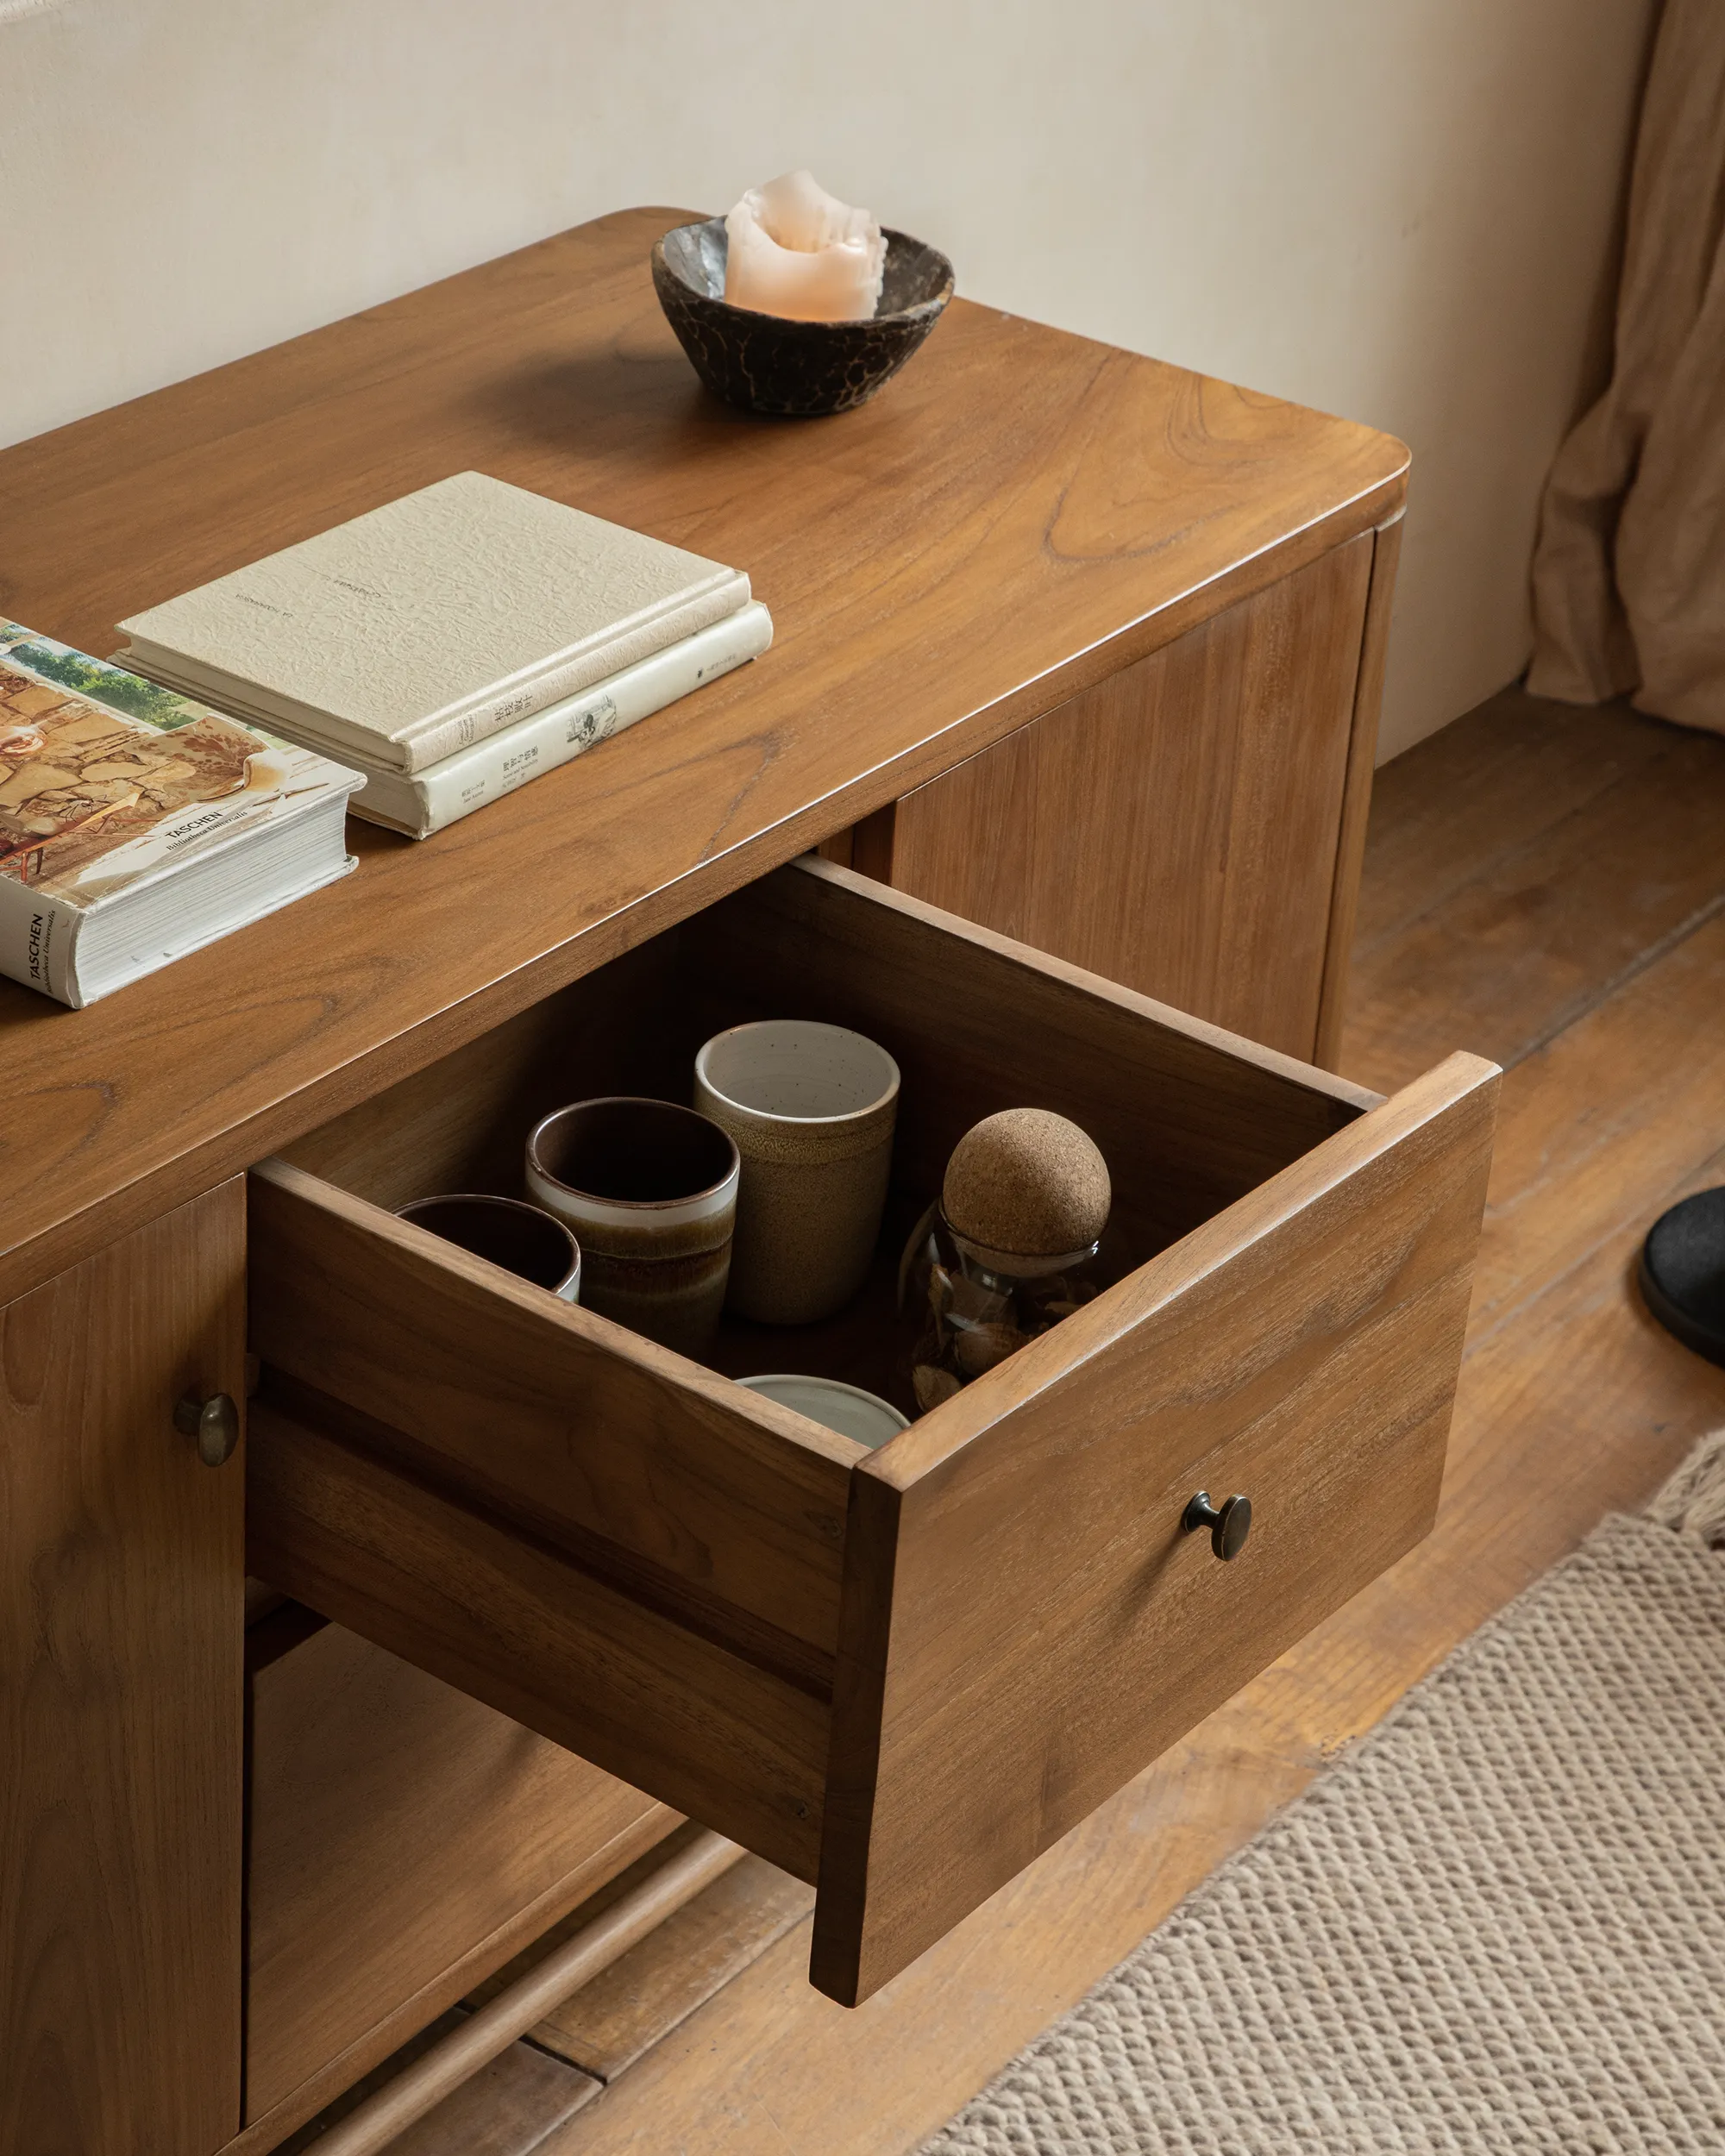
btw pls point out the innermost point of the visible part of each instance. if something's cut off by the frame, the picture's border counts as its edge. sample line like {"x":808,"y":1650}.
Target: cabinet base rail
{"x":424,"y":2085}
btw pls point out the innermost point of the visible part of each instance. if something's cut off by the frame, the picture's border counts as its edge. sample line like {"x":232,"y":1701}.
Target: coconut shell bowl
{"x":801,"y":370}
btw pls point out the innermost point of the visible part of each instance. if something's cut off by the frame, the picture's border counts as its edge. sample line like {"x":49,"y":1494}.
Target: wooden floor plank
{"x":1461,"y":802}
{"x":1544,"y":928}
{"x":610,"y":2023}
{"x":511,"y":2107}
{"x":1596,"y":1136}
{"x":1571,"y":1402}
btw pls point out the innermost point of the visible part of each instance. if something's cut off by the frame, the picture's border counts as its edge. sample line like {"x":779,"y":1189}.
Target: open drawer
{"x":901,"y":1674}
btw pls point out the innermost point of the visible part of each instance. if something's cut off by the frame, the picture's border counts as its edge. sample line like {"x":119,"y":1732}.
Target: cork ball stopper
{"x":1027,"y":1183}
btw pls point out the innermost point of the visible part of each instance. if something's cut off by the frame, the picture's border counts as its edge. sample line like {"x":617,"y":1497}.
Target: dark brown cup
{"x":523,"y":1239}
{"x":650,"y":1189}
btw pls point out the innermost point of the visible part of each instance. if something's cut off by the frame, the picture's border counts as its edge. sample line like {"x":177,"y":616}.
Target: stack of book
{"x":455,"y":644}
{"x":136,"y":826}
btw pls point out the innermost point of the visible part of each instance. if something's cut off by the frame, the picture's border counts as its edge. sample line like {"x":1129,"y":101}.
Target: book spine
{"x":491,"y":768}
{"x":504,"y":707}
{"x":39,"y":942}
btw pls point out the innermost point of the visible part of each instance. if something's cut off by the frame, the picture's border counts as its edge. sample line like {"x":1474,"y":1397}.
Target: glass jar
{"x":974,"y":1306}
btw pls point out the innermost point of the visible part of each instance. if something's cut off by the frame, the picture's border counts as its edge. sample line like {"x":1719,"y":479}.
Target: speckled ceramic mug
{"x":812,"y":1108}
{"x":650,"y":1190}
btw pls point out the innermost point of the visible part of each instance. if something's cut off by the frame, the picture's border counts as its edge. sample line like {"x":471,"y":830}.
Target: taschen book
{"x":413,"y":632}
{"x":136,"y":825}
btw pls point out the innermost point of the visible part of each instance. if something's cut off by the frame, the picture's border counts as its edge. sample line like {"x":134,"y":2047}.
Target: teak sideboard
{"x":1074,"y":689}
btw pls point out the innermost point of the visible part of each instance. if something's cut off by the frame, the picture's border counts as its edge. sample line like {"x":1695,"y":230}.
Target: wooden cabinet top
{"x":1018,"y":516}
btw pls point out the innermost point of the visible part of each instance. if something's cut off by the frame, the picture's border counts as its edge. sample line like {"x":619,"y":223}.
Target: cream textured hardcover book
{"x":444,"y":792}
{"x":417,"y":629}
{"x":136,"y":826}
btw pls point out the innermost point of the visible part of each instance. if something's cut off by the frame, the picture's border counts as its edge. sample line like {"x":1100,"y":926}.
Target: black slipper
{"x":1683,"y":1273}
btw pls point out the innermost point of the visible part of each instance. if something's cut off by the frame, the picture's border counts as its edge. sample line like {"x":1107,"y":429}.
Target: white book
{"x":413,"y":632}
{"x":493,"y":767}
{"x":136,"y":827}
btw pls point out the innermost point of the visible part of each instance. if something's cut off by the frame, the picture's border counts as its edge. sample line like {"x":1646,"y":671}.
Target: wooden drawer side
{"x":1026,"y":1626}
{"x":656,"y":1476}
{"x":516,"y":1623}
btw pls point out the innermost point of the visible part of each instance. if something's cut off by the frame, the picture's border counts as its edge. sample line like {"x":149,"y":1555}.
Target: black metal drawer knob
{"x":1229,"y":1523}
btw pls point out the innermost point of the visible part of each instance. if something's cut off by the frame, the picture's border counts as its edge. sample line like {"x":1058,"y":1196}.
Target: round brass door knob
{"x":213,"y":1423}
{"x":1229,"y":1523}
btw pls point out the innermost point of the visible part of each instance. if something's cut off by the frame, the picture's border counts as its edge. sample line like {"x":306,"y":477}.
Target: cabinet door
{"x":1179,"y":828}
{"x":122,"y":1582}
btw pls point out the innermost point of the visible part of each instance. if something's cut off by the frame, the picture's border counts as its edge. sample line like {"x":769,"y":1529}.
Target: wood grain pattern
{"x":266,"y":2133}
{"x":595,"y":1905}
{"x":1190,"y":1117}
{"x":416,"y":2021}
{"x":610,"y":2023}
{"x":121,"y":1700}
{"x":461,"y":1123}
{"x":627,"y":1576}
{"x":518,"y":1624}
{"x":705,"y":1505}
{"x":506,"y":2110}
{"x":975,"y":1021}
{"x":439,"y":2071}
{"x":1591,"y":840}
{"x":1020,"y":516}
{"x":1571,"y":1402}
{"x":395,"y":1826}
{"x":1175,"y":828}
{"x":509,"y":2108}
{"x":1362,"y":757}
{"x":1619,"y":1111}
{"x":684,"y":1492}
{"x":1465,"y":797}
{"x":1011,"y":1557}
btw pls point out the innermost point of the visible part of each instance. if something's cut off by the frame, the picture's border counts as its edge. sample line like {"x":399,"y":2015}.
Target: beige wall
{"x":1400,"y":209}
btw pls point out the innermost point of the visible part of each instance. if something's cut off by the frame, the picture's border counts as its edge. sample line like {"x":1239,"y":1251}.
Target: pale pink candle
{"x":791,"y":250}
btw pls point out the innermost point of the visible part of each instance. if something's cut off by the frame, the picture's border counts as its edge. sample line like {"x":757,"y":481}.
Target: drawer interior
{"x":900,"y":1674}
{"x":1188,"y":1119}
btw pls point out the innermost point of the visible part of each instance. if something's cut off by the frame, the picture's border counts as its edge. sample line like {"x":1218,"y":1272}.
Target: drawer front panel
{"x":1028,"y":1626}
{"x":398,"y":1830}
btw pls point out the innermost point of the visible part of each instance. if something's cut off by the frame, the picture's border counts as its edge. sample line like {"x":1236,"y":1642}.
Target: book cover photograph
{"x":136,"y":825}
{"x":105,"y":776}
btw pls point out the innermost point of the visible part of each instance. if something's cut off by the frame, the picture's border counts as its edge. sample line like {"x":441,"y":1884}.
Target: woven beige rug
{"x":1498,"y":1924}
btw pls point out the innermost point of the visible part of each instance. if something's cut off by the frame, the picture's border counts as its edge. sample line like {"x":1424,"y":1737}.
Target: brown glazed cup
{"x":523,"y":1239}
{"x":650,"y":1189}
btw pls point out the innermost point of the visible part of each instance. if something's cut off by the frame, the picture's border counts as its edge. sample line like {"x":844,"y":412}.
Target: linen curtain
{"x":1629,"y":571}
